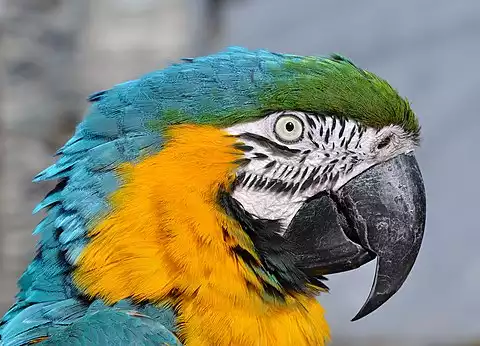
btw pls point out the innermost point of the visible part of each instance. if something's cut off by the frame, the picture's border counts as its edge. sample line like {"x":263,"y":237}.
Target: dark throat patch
{"x":275,"y":252}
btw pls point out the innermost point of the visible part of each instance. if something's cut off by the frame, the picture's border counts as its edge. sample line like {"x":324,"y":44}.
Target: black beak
{"x":380,"y":213}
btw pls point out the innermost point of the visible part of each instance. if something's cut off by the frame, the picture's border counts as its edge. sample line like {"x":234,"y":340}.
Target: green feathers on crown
{"x":335,"y":86}
{"x":239,"y":85}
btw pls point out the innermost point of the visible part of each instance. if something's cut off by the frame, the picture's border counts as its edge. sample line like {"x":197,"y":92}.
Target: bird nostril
{"x":384,"y":142}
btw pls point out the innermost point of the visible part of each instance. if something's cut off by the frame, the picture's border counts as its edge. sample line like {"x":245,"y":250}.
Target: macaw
{"x":203,"y":204}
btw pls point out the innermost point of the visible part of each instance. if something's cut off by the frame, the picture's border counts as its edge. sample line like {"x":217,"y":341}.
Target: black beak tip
{"x":361,"y":314}
{"x":358,"y":316}
{"x":370,"y":306}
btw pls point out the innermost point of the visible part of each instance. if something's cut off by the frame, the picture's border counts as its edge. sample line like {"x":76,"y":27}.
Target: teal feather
{"x":113,"y":327}
{"x":51,"y":173}
{"x":75,"y":231}
{"x":51,"y":198}
{"x":64,"y":219}
{"x":82,"y":146}
{"x":74,"y":250}
{"x":69,"y":321}
{"x":75,"y":201}
{"x":42,"y":225}
{"x":46,"y":228}
{"x":109,"y":155}
{"x":96,"y":96}
{"x":75,"y":138}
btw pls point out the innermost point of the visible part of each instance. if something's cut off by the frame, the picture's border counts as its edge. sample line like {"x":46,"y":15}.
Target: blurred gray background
{"x":53,"y":53}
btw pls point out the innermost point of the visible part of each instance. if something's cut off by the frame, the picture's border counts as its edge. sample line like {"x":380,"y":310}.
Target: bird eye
{"x":289,"y":128}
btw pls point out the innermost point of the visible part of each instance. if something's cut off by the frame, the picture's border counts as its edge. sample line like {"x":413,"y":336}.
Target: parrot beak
{"x":378,"y":214}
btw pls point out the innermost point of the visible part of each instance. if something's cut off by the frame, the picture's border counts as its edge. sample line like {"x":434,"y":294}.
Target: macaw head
{"x":279,"y":168}
{"x":331,"y":161}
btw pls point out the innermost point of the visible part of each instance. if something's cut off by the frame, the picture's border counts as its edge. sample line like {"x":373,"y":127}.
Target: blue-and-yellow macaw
{"x":202,"y":204}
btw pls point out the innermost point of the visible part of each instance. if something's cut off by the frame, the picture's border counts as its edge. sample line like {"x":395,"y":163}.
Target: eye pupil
{"x":289,"y":126}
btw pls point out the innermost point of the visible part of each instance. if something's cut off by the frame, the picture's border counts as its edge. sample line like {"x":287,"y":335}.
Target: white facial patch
{"x":295,"y":155}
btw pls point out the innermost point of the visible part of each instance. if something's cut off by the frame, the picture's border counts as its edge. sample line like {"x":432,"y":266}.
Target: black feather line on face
{"x":327,"y":136}
{"x":253,"y":181}
{"x":302,"y":160}
{"x":290,"y":170}
{"x":304,"y":173}
{"x":352,"y":133}
{"x":270,"y":145}
{"x":296,"y":173}
{"x":260,"y":156}
{"x":282,"y":172}
{"x":238,"y":180}
{"x":335,"y":178}
{"x":275,"y":253}
{"x":243,"y":147}
{"x":244,"y":182}
{"x":342,"y":124}
{"x":310,"y":121}
{"x":242,"y":162}
{"x":360,"y":134}
{"x":270,"y":165}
